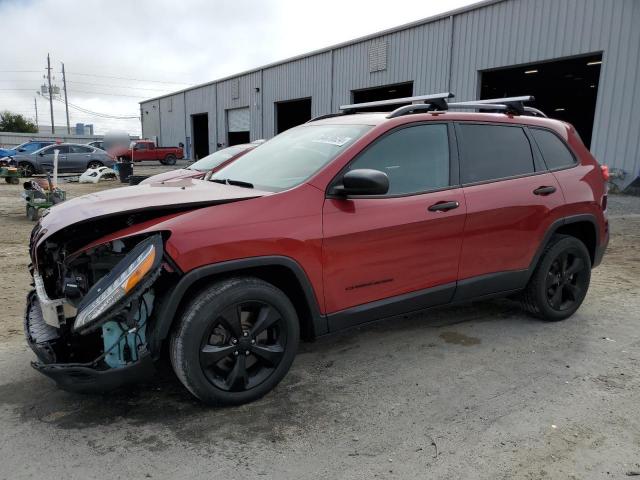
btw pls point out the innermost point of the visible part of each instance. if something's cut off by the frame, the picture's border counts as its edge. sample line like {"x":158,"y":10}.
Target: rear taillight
{"x":605,"y":172}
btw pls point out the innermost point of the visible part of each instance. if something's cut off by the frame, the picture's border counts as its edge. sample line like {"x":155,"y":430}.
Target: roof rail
{"x":326,"y":115}
{"x":437,"y":100}
{"x":507,"y":104}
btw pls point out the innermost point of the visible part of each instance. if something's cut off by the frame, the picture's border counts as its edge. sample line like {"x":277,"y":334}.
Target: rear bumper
{"x":46,"y":342}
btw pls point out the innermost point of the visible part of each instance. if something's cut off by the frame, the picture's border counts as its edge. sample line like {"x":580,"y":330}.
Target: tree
{"x":16,"y":123}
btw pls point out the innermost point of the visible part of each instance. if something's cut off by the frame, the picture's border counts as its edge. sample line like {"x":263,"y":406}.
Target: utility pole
{"x":66,"y":103}
{"x":53,"y":129}
{"x":35,"y":104}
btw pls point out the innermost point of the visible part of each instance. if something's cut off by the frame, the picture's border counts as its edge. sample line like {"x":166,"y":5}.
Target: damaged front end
{"x":90,"y":316}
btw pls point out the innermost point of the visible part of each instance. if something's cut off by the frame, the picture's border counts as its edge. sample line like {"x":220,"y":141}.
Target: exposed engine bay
{"x":90,"y":311}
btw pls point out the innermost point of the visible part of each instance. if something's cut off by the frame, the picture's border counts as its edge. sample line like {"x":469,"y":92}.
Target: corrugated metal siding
{"x":202,"y":100}
{"x":524,"y":31}
{"x":419,"y":54}
{"x":448,"y":54}
{"x":307,"y":77}
{"x":172,"y":118}
{"x":151,"y":119}
{"x":248,"y":96}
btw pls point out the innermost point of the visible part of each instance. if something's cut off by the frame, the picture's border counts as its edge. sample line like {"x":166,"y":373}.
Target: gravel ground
{"x":480,"y":391}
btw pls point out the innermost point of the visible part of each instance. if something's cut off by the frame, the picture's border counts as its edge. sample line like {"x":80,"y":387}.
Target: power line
{"x":119,"y":86}
{"x":99,"y":114}
{"x":76,"y":91}
{"x":109,"y":94}
{"x":128,"y":78}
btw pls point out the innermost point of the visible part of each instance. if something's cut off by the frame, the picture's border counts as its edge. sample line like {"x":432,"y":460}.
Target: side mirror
{"x":21,"y":150}
{"x":362,"y":181}
{"x":41,"y":154}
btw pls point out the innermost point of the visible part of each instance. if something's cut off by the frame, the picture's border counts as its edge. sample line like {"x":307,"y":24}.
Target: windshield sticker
{"x":337,"y":140}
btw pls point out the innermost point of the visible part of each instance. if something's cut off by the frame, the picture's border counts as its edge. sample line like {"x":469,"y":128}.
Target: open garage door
{"x":238,"y":126}
{"x":387,"y":92}
{"x":564,"y":89}
{"x":292,"y":113}
{"x":200,"y":132}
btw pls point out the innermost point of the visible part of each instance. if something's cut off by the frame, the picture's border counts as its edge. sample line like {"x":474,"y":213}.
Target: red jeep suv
{"x":344,"y":220}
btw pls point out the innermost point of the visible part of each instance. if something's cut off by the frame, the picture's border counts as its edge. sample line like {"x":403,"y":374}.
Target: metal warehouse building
{"x":579,"y":58}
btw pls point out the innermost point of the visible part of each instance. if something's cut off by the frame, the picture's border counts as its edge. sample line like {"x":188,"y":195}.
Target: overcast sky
{"x":180,"y":42}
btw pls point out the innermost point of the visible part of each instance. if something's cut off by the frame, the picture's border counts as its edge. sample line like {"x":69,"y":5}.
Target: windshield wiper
{"x":237,"y":183}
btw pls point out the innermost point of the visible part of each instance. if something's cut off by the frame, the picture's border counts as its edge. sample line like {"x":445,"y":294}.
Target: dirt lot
{"x":480,"y":391}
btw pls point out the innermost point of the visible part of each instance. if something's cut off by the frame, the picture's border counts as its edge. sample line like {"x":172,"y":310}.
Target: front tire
{"x":561,"y":280}
{"x":235,"y":341}
{"x":26,"y":169}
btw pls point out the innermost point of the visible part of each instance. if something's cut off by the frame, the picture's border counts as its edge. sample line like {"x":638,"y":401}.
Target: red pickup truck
{"x":147,"y":150}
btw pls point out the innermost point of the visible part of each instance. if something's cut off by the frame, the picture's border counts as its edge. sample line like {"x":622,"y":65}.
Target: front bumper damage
{"x":113,"y":351}
{"x":89,"y":377}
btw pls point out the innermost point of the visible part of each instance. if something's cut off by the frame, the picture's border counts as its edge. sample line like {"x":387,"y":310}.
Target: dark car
{"x":331,"y":224}
{"x":73,"y":157}
{"x":207,"y":164}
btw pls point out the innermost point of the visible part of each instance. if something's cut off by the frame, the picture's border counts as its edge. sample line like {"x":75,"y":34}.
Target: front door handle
{"x":544,"y":190}
{"x":443,"y":206}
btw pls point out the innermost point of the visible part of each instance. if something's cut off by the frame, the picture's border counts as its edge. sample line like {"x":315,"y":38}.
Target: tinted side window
{"x":62,"y":149}
{"x":490,"y":152}
{"x":80,"y":149}
{"x":416,"y":159}
{"x":555,"y":152}
{"x":141,"y":146}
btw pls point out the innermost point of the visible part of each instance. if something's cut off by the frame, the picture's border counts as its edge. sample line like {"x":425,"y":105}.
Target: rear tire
{"x":560,"y":282}
{"x":169,"y":160}
{"x":94,"y":164}
{"x":235,"y":341}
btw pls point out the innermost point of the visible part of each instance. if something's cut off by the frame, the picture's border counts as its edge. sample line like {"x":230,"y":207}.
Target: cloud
{"x":192,"y":41}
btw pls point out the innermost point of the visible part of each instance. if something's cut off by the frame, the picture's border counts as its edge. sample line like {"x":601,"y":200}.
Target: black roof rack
{"x":439,"y":102}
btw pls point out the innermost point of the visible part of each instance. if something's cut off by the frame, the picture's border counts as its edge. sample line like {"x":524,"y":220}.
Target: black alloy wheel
{"x":565,"y":282}
{"x":243,"y":346}
{"x":235,"y":341}
{"x":560,"y":281}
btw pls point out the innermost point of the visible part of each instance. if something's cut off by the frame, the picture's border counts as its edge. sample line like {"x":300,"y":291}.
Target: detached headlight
{"x":120,"y":282}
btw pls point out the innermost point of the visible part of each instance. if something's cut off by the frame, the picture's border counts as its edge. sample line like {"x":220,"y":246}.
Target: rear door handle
{"x":544,"y":190}
{"x":443,"y":206}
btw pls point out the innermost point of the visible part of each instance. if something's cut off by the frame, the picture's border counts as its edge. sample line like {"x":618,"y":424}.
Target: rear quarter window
{"x":555,"y":153}
{"x":492,"y":152}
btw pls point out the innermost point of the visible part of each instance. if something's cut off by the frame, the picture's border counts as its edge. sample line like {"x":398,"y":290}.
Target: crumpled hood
{"x":179,"y":193}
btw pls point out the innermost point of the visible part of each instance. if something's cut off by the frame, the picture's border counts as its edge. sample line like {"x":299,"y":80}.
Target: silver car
{"x":73,"y":157}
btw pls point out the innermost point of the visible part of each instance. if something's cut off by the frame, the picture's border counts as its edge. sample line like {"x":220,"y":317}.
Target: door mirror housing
{"x":363,"y":181}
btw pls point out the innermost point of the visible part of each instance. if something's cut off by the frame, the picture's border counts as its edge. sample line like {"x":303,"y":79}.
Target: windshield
{"x":292,"y":157}
{"x":212,"y":161}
